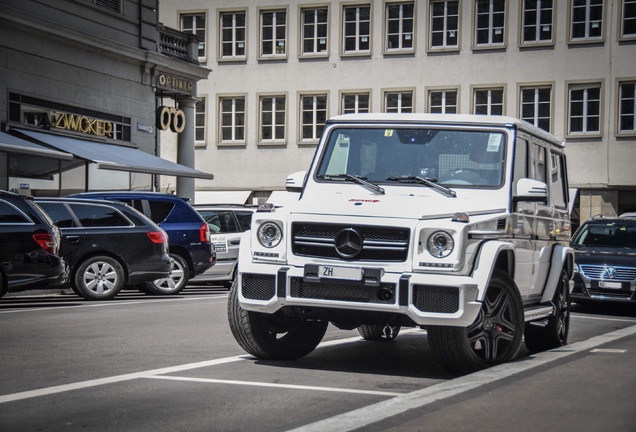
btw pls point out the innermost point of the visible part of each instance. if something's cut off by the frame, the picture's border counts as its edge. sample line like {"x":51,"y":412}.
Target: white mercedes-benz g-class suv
{"x":456,"y":224}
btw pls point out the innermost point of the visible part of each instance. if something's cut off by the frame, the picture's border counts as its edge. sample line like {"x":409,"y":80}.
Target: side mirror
{"x":295,"y":182}
{"x":531,"y":190}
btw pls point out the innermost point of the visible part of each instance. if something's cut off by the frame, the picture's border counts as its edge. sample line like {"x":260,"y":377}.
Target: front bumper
{"x":587,"y":290}
{"x":427,"y":299}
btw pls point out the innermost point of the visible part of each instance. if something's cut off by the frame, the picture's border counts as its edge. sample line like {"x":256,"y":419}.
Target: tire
{"x":273,"y":337}
{"x":495,"y":337}
{"x":3,"y":286}
{"x":552,"y":332}
{"x":99,"y":278}
{"x":378,"y":332}
{"x":176,"y":280}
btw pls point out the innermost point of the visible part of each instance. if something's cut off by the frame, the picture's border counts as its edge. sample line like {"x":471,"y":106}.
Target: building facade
{"x":82,"y":86}
{"x":282,"y":67}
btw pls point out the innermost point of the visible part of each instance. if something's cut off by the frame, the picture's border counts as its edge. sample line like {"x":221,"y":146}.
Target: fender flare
{"x":562,"y":259}
{"x":486,"y":262}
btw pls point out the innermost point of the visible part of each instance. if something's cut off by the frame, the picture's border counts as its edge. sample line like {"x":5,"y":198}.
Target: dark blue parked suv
{"x":188,"y":235}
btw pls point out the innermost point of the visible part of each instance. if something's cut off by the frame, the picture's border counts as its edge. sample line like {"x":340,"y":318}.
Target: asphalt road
{"x":144,"y":363}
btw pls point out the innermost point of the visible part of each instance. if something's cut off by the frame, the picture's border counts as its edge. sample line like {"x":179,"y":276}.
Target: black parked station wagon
{"x":108,"y":245}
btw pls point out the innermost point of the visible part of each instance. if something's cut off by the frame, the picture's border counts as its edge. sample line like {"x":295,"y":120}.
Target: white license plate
{"x":610,"y":285}
{"x":349,"y":273}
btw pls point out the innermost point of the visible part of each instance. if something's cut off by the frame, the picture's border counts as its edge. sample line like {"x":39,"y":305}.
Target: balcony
{"x":177,"y":44}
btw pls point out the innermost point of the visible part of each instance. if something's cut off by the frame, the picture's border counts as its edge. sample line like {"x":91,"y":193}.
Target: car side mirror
{"x":295,"y":182}
{"x":531,"y":190}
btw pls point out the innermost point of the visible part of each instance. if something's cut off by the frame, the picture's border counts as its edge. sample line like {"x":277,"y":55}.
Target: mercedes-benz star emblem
{"x":349,"y":243}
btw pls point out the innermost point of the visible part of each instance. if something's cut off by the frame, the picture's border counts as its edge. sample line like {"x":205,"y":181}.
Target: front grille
{"x":379,"y":243}
{"x":343,"y":292}
{"x":258,"y":287}
{"x":601,"y":272}
{"x":436,"y":299}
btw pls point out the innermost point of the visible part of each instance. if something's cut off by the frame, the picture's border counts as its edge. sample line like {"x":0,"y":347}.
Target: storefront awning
{"x":115,"y":157}
{"x":11,"y":144}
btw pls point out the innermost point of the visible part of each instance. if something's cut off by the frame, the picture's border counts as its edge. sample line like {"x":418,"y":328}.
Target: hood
{"x":610,"y":256}
{"x":398,"y":202}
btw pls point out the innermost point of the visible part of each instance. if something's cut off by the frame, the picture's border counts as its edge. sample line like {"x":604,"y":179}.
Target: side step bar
{"x":537,"y":312}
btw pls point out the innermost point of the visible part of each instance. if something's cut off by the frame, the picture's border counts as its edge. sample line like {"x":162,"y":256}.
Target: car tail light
{"x":46,"y":242}
{"x":157,"y":236}
{"x":204,"y":233}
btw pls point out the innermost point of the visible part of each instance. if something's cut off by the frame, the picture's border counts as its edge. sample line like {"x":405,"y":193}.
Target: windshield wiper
{"x":426,"y":182}
{"x":355,"y":179}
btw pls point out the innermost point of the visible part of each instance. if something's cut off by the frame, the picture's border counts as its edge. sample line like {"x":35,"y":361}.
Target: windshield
{"x":607,"y":234}
{"x":448,"y":157}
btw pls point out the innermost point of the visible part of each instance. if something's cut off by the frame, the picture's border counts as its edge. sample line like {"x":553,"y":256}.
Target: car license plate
{"x":349,"y":273}
{"x":610,"y":285}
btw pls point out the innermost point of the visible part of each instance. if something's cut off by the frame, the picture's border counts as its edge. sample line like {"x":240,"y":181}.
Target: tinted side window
{"x":9,"y":214}
{"x":98,"y":216}
{"x":521,"y":160}
{"x":245,"y":219}
{"x":558,"y":187}
{"x":537,"y":163}
{"x":59,"y":214}
{"x":220,"y":221}
{"x":160,"y":210}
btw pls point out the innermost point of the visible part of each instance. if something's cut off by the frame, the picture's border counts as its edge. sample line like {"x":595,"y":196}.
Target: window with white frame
{"x":442,"y":101}
{"x":586,"y":22}
{"x":488,"y":101}
{"x":232,"y":32}
{"x":272,"y":118}
{"x":313,"y":116}
{"x":314,"y":31}
{"x":195,"y":23}
{"x":490,"y":21}
{"x":232,"y":120}
{"x":273,"y":33}
{"x":356,"y":30}
{"x":199,"y":123}
{"x":628,"y":19}
{"x":444,"y":24}
{"x":399,"y":26}
{"x":584,"y":109}
{"x":536,"y":106}
{"x":537,"y":22}
{"x":627,"y":107}
{"x":353,"y":103}
{"x":398,"y":101}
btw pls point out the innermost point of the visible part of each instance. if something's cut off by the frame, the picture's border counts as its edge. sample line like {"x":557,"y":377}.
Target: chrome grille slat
{"x":596,"y":272}
{"x":379,"y":243}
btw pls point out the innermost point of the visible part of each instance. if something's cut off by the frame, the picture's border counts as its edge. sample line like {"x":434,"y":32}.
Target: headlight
{"x":269,"y":234}
{"x":440,"y":244}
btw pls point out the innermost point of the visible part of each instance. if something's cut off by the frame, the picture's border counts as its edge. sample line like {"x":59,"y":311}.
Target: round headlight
{"x":269,"y":234}
{"x":440,"y":244}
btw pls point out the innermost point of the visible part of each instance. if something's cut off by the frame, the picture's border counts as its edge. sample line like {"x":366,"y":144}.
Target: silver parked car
{"x":226,"y":223}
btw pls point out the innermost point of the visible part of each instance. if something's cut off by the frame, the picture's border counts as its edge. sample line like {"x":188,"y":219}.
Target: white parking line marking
{"x":114,"y":379}
{"x":144,"y":374}
{"x":264,"y":384}
{"x":602,"y":318}
{"x":608,"y":351}
{"x":379,"y":411}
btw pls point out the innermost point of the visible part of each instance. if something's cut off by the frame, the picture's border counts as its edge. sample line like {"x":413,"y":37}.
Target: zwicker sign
{"x":170,"y":118}
{"x":80,"y":123}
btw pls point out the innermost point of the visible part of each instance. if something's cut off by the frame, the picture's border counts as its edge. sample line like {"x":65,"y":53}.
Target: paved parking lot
{"x":148,"y":363}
